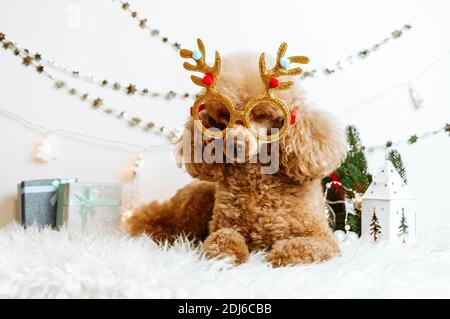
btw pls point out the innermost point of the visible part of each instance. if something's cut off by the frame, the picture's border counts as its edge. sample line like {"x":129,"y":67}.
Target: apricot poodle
{"x":234,"y":207}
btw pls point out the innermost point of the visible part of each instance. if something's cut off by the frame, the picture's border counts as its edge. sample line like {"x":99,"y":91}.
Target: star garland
{"x":362,"y":54}
{"x":337,"y":66}
{"x":132,"y":89}
{"x":412,"y":139}
{"x":128,"y":89}
{"x":97,"y":103}
{"x":143,"y":24}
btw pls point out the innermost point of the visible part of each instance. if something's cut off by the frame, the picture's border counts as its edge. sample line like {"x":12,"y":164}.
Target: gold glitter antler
{"x":269,"y":77}
{"x":211,"y":73}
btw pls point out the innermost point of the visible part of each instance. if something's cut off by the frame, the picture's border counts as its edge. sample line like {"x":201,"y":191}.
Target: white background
{"x":108,"y":43}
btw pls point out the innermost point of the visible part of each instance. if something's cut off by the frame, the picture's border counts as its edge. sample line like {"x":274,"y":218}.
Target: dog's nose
{"x":240,"y":144}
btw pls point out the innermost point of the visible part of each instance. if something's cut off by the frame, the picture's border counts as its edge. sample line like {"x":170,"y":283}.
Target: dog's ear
{"x":189,"y":152}
{"x":313,"y":148}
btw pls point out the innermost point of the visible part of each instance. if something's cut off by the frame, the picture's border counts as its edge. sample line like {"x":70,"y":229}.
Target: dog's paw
{"x":302,"y":250}
{"x":146,"y":221}
{"x":225,"y":243}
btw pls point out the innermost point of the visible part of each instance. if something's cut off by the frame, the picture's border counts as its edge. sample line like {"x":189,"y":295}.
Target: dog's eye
{"x":279,"y":121}
{"x":225,"y":115}
{"x":210,"y":122}
{"x":215,"y":115}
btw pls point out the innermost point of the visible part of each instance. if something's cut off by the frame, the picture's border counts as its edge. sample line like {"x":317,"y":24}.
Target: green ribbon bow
{"x":88,"y":200}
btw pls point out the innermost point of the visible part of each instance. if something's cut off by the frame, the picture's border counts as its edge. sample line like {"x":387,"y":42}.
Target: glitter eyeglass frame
{"x":269,"y":78}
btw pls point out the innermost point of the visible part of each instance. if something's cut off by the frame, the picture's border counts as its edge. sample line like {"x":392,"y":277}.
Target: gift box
{"x":37,"y":201}
{"x":89,"y":206}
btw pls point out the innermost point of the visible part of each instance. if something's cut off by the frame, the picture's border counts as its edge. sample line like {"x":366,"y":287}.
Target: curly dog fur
{"x":234,"y":208}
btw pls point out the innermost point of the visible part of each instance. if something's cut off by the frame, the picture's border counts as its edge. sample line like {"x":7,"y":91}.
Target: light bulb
{"x":44,"y":150}
{"x":127,"y":215}
{"x":418,"y":102}
{"x":138,"y":164}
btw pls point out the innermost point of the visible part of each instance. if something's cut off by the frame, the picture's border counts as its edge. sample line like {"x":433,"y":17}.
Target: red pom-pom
{"x":336,"y":185}
{"x":273,"y":83}
{"x":208,"y":79}
{"x":200,"y":108}
{"x":294,"y":115}
{"x":334,"y":177}
{"x":336,"y":182}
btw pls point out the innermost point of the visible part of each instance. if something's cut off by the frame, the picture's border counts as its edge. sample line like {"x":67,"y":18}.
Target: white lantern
{"x":388,"y":208}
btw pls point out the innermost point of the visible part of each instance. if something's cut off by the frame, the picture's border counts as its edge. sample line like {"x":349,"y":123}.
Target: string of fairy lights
{"x":44,"y":150}
{"x":417,"y":101}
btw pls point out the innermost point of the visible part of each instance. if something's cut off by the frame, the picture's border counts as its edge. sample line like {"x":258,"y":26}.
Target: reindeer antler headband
{"x":269,"y":78}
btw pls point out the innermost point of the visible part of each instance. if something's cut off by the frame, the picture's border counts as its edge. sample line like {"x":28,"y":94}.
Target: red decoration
{"x":335,"y":184}
{"x":200,"y":108}
{"x":335,"y":178}
{"x":294,"y":115}
{"x":208,"y":79}
{"x":273,"y":83}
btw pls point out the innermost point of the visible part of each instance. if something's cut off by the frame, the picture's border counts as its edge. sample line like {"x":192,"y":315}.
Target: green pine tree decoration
{"x":354,"y":171}
{"x":375,"y":227}
{"x":353,"y":174}
{"x":396,"y":159}
{"x":403,"y":228}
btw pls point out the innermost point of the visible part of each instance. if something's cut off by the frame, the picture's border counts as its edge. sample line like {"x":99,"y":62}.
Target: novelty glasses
{"x":254,"y":106}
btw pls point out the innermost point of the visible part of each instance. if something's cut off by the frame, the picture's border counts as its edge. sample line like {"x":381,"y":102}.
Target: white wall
{"x":108,"y":43}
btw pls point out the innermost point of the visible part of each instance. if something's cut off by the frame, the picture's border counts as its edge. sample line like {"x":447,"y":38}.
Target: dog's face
{"x":312,"y":148}
{"x":239,"y":144}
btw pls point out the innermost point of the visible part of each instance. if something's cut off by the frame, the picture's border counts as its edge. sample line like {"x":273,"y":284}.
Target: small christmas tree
{"x":375,"y":227}
{"x":403,"y":228}
{"x":354,"y":172}
{"x":396,"y":159}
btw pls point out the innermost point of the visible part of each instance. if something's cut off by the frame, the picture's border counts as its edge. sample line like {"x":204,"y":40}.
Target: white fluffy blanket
{"x":50,"y":264}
